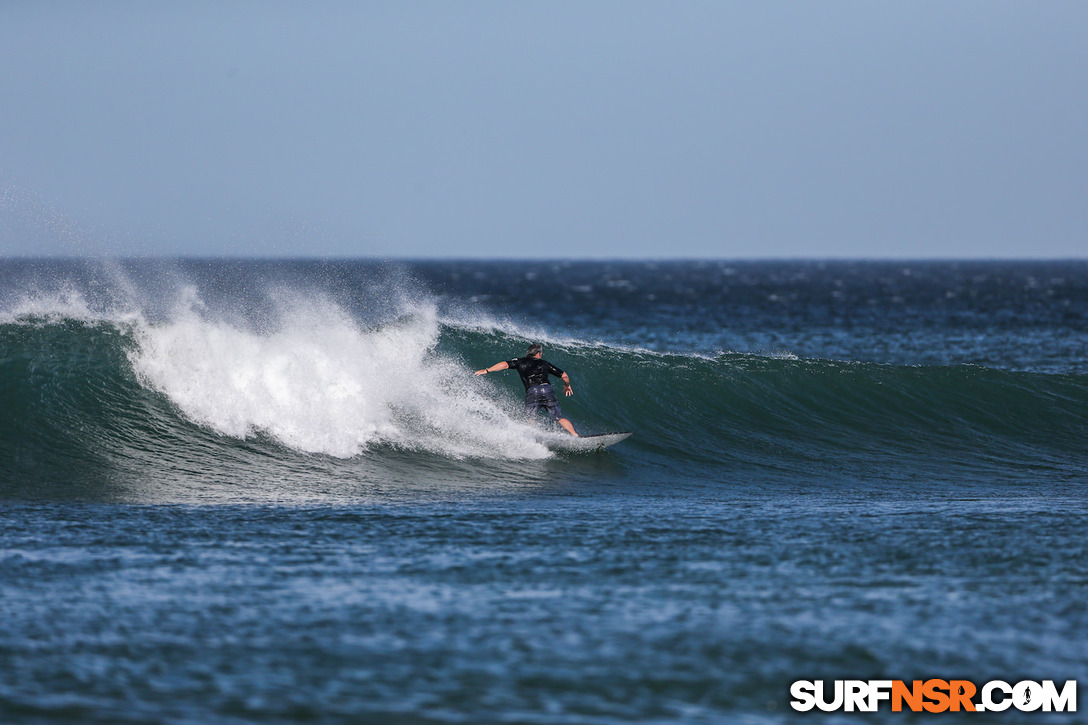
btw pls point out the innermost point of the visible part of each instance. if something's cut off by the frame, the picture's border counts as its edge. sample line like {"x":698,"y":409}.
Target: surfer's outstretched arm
{"x":494,"y":368}
{"x":567,"y":390}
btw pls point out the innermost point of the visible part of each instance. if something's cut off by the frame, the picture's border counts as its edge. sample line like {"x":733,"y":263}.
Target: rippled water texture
{"x":274,"y":491}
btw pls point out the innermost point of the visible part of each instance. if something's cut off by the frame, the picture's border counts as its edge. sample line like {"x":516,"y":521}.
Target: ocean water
{"x":274,"y":492}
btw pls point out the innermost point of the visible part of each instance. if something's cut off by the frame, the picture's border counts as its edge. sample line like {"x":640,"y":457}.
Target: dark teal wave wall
{"x":73,"y":411}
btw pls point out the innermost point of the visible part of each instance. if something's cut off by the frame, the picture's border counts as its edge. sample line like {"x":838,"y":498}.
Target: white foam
{"x":317,"y":382}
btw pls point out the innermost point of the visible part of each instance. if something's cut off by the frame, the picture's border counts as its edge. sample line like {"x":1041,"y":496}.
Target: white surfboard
{"x":585,"y":443}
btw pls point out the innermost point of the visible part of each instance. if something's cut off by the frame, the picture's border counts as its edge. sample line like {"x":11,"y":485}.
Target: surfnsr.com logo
{"x":933,"y":696}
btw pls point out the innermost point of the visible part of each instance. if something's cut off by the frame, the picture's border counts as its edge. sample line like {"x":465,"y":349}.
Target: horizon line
{"x":602,"y":259}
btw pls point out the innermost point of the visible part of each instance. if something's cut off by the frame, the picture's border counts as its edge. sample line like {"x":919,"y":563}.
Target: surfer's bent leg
{"x":568,"y":427}
{"x":543,"y":396}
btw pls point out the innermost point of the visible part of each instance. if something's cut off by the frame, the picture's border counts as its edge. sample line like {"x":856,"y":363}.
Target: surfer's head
{"x":535,"y":349}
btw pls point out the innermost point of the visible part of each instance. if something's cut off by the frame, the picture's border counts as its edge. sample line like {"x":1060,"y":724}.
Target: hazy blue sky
{"x":582,"y":129}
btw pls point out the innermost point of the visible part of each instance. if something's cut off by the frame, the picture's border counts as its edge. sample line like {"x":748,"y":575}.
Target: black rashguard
{"x":534,"y":371}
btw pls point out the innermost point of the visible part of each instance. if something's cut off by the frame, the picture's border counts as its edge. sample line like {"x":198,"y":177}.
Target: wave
{"x":780,"y":411}
{"x":200,"y":389}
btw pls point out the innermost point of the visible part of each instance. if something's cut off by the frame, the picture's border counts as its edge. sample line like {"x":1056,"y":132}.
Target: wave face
{"x":217,"y":380}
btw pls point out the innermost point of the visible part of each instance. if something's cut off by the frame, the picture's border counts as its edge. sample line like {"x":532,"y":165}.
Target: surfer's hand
{"x":481,"y":372}
{"x":569,"y":391}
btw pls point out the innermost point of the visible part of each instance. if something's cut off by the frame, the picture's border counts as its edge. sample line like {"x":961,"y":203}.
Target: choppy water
{"x":274,"y":492}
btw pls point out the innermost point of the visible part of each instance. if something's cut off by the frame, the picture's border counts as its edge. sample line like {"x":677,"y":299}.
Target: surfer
{"x":534,"y":371}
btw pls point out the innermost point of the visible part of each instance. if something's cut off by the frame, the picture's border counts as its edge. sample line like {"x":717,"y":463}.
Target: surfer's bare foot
{"x":568,"y":427}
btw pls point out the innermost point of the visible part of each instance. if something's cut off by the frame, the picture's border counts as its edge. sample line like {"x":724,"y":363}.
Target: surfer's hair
{"x":535,"y":349}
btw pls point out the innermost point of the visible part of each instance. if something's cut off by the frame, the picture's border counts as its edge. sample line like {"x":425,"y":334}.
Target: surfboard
{"x":586,"y":443}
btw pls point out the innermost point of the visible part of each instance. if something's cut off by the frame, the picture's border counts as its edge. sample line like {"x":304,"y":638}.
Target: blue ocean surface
{"x":274,"y":492}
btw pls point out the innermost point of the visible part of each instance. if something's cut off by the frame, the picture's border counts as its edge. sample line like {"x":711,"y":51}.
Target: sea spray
{"x":318,"y":382}
{"x":286,"y":362}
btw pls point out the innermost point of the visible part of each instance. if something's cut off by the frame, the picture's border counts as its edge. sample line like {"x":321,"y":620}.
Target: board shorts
{"x":542,"y":396}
